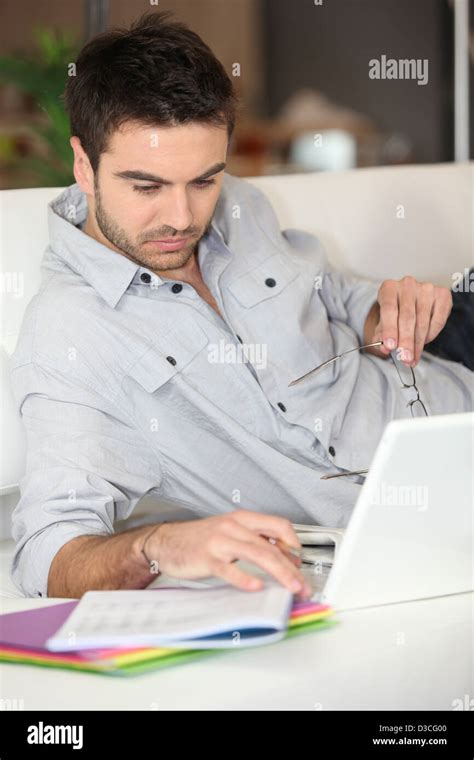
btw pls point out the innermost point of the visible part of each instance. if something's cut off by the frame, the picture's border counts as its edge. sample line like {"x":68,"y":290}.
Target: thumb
{"x":378,"y":336}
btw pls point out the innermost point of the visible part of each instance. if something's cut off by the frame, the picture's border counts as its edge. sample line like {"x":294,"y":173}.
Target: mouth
{"x":170,"y":244}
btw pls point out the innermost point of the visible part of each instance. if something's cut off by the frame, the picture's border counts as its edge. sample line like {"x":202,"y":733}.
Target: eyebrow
{"x":138,"y":175}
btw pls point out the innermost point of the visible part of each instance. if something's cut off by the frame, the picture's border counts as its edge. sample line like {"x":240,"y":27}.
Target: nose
{"x":175,"y":211}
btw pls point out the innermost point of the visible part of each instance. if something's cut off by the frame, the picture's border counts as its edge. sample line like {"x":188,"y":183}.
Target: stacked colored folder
{"x":23,"y":636}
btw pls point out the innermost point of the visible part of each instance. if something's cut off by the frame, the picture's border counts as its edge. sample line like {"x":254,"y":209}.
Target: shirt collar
{"x":108,"y":272}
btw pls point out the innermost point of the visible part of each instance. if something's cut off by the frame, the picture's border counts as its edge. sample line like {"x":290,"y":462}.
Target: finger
{"x":270,"y":559}
{"x":297,"y":562}
{"x":377,"y":333}
{"x":234,"y":530}
{"x":407,"y":319}
{"x":287,"y":550}
{"x":378,"y":336}
{"x":388,"y":302}
{"x":237,"y":577}
{"x":443,"y":303}
{"x":424,"y":306}
{"x":292,"y":557}
{"x":269,"y":525}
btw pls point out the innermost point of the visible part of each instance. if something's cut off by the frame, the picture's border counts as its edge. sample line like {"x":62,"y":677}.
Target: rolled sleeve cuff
{"x":31,"y":563}
{"x":359,"y":311}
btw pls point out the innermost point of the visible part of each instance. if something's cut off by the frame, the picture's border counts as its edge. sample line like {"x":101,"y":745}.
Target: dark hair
{"x":158,"y":72}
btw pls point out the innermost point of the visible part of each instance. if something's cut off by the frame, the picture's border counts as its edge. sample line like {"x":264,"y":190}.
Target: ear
{"x":83,"y":172}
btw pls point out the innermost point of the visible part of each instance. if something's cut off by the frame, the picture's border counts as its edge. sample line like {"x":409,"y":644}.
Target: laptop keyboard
{"x":317,"y":580}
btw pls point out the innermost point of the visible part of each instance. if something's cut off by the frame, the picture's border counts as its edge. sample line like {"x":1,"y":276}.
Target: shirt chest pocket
{"x":264,"y":282}
{"x":180,"y":351}
{"x":182,"y":375}
{"x":276,"y":309}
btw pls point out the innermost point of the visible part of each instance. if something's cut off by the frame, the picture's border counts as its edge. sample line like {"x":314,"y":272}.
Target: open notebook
{"x":23,"y":637}
{"x":208,"y":618}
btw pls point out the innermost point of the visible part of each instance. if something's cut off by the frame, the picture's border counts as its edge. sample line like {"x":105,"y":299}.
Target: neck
{"x":189,"y":272}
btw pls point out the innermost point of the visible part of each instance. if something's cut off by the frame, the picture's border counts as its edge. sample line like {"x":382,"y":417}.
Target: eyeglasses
{"x":406,"y":376}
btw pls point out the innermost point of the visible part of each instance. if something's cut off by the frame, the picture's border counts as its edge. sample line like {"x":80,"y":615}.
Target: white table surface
{"x":411,"y":656}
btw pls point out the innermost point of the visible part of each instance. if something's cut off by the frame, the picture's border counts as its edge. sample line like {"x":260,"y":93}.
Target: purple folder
{"x":31,"y":629}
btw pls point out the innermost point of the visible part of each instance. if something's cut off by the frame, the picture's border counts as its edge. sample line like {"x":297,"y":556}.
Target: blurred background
{"x":302,"y":77}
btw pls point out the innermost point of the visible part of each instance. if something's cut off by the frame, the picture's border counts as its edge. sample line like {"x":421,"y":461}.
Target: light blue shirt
{"x":128,"y":385}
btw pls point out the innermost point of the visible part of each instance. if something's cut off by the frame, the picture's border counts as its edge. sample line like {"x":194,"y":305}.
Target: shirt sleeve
{"x":86,"y":467}
{"x":347,"y":297}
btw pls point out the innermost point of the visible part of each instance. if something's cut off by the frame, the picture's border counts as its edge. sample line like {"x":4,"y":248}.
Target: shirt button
{"x":281,"y":406}
{"x":171,"y":360}
{"x":270,"y":282}
{"x":145,"y":277}
{"x":177,"y":287}
{"x":332,"y":451}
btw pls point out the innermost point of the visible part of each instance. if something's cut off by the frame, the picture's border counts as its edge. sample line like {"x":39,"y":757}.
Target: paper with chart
{"x":198,"y":618}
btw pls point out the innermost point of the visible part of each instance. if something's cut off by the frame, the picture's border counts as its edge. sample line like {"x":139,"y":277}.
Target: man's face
{"x":132,"y":210}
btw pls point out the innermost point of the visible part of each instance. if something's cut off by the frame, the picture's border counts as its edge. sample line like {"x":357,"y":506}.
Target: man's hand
{"x":211,"y":546}
{"x":408,"y":314}
{"x":194,"y":549}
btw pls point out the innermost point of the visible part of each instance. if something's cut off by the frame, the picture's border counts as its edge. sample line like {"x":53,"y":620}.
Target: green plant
{"x":42,"y":76}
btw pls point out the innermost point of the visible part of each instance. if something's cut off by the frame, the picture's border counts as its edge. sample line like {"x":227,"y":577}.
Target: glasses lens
{"x":418,"y":409}
{"x":405,"y":373}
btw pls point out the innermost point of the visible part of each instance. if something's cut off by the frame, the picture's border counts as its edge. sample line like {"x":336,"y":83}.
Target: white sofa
{"x":379,"y":223}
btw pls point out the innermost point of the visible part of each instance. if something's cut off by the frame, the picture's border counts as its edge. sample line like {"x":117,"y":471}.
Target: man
{"x":160,"y":268}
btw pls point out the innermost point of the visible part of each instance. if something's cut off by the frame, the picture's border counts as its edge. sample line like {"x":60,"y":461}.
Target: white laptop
{"x":410,"y":535}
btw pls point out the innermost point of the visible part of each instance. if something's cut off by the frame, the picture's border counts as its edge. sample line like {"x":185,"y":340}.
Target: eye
{"x":201,"y":183}
{"x":146,"y":188}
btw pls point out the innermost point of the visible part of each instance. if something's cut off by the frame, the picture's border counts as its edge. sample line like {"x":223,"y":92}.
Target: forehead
{"x":185,"y":149}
